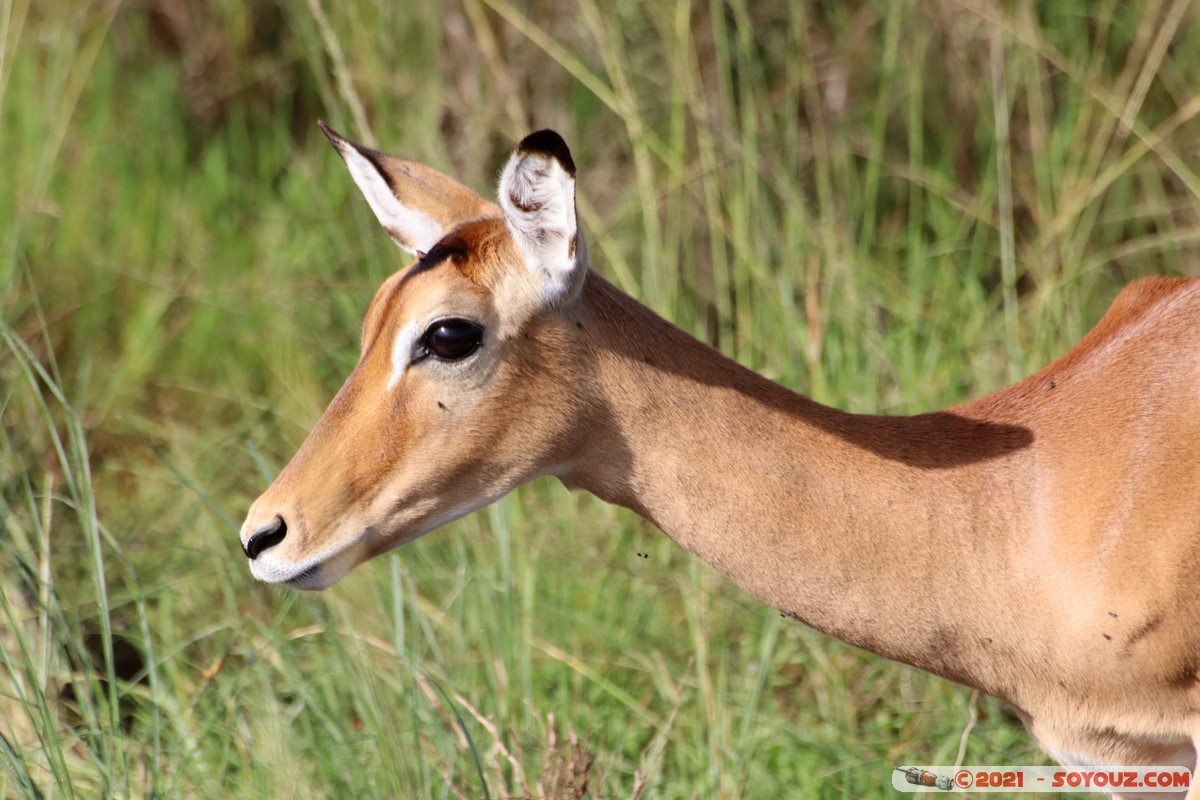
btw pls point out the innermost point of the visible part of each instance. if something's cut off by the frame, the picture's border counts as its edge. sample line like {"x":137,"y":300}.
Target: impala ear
{"x":537,"y":194}
{"x":415,"y":204}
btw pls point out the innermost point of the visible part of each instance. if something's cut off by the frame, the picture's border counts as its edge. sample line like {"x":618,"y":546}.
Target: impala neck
{"x":876,"y":530}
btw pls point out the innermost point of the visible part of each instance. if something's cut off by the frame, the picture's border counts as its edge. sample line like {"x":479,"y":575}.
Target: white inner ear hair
{"x":413,"y":230}
{"x":538,"y":198}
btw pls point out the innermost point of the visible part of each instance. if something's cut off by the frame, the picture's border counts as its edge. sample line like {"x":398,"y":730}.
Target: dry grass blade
{"x":497,"y":738}
{"x":342,"y":74}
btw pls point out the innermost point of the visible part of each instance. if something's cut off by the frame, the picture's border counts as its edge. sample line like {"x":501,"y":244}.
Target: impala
{"x":1041,"y":544}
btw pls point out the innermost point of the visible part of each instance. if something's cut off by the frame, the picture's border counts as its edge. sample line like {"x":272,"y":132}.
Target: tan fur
{"x":1041,"y":544}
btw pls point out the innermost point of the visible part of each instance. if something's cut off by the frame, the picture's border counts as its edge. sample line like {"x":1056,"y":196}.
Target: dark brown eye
{"x":452,"y":339}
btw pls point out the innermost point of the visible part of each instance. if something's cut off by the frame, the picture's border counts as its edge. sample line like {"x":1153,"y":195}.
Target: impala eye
{"x":451,"y":339}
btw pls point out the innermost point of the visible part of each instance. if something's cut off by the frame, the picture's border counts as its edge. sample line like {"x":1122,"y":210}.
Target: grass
{"x":889,"y":206}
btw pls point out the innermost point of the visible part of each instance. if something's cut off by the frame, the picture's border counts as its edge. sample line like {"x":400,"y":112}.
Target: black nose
{"x":267,"y":536}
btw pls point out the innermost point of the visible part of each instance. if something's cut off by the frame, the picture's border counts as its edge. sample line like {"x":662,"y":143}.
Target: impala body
{"x":1066,"y":507}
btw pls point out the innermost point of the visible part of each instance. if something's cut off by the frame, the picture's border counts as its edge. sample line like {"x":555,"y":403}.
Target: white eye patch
{"x":402,"y":348}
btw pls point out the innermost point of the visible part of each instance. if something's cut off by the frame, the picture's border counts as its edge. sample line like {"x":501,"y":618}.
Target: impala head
{"x":449,"y":406}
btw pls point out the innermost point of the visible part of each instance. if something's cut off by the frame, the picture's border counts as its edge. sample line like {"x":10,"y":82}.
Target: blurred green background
{"x":890,"y":206}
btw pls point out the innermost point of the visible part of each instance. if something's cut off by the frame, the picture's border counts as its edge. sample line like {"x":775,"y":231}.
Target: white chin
{"x":313,"y":579}
{"x":315,"y":575}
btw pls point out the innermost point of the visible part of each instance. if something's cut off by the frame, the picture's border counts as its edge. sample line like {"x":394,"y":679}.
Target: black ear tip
{"x":548,"y":143}
{"x":335,"y":138}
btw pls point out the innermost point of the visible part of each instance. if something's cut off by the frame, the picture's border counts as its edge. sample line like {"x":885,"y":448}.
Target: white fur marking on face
{"x":322,"y":571}
{"x":402,"y":352}
{"x":411,"y":229}
{"x":538,"y":198}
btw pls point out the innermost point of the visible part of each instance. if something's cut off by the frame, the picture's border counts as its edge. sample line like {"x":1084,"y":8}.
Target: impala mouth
{"x":307,"y":578}
{"x":322,"y":571}
{"x":313,"y":574}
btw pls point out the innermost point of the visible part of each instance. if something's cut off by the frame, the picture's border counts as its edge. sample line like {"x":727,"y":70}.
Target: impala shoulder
{"x":1148,"y":306}
{"x":1145,"y":294}
{"x":1149,"y":319}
